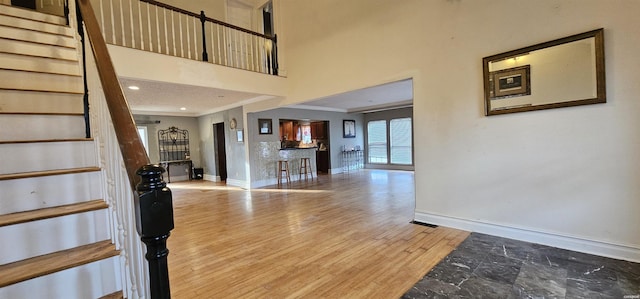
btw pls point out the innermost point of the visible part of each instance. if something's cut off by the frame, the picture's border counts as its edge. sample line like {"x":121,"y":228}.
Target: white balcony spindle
{"x":196,"y":50}
{"x":133,"y":37}
{"x":113,"y":23}
{"x":188,"y":37}
{"x":102,"y":26}
{"x":149,"y":28}
{"x":140,"y":25}
{"x":181,"y":40}
{"x":235,"y":44}
{"x":173,"y":34}
{"x":124,"y":41}
{"x":158,"y":42}
{"x":164,"y":21}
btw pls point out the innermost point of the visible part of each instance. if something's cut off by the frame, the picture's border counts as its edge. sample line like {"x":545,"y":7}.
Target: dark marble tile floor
{"x":485,"y":266}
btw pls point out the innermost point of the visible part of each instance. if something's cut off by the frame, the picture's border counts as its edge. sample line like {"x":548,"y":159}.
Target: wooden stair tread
{"x":40,"y":214}
{"x":116,"y":295}
{"x":41,"y":72}
{"x":50,"y":263}
{"x":33,"y":174}
{"x":44,"y":91}
{"x":47,"y":140}
{"x":29,"y":14}
{"x":42,"y":113}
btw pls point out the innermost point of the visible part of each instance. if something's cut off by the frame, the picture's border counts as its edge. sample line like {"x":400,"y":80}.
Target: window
{"x":400,"y":131}
{"x":377,"y":142}
{"x":142,"y":131}
{"x":390,"y":146}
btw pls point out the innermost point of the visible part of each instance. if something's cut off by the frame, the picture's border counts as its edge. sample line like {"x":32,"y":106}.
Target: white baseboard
{"x":238,"y":183}
{"x":262,"y":183}
{"x":335,"y":170}
{"x":212,"y":178}
{"x":616,"y":251}
{"x":178,"y":178}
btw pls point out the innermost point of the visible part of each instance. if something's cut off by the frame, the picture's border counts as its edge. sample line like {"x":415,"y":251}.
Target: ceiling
{"x":160,"y":98}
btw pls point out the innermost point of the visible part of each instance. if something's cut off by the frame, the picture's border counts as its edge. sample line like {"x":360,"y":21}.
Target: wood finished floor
{"x":340,"y":236}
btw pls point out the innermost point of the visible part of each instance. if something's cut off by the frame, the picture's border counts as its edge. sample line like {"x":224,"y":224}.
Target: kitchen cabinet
{"x":318,"y":130}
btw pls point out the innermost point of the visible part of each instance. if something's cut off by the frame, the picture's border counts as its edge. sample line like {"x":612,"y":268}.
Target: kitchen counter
{"x":298,"y":148}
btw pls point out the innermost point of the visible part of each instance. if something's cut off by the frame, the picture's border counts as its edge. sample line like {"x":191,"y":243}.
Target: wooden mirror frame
{"x":601,"y":97}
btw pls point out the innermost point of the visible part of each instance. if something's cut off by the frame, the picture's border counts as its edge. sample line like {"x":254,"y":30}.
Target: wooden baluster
{"x":245,"y":55}
{"x":124,"y":41}
{"x":149,"y":27}
{"x":158,"y":31}
{"x":173,"y":34}
{"x":133,"y":37}
{"x":195,"y":39}
{"x":101,"y":20}
{"x":140,"y":25}
{"x":213,"y":56}
{"x":181,"y":40}
{"x":221,"y":40}
{"x":235,"y":45}
{"x":188,"y":37}
{"x":261,"y":56}
{"x":164,"y":21}
{"x":113,"y":25}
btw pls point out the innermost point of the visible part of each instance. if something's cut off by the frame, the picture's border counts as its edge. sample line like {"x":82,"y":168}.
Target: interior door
{"x":220,"y":152}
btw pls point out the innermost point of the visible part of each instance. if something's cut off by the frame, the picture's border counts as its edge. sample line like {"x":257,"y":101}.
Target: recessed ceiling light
{"x":133,"y":87}
{"x":183,"y":108}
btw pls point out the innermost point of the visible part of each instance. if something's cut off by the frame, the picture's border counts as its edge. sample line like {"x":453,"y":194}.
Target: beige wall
{"x":567,"y":177}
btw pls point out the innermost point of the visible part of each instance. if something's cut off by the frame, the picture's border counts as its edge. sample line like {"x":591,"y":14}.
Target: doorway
{"x":220,"y":153}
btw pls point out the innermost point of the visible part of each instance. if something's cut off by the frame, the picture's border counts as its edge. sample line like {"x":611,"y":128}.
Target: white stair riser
{"x":39,"y":81}
{"x":35,"y":49}
{"x":27,"y":157}
{"x":49,"y":191}
{"x":35,"y":25}
{"x":39,"y":127}
{"x":31,"y":15}
{"x":93,"y":280}
{"x":40,"y":102}
{"x":46,"y":236}
{"x":39,"y":64}
{"x":37,"y":37}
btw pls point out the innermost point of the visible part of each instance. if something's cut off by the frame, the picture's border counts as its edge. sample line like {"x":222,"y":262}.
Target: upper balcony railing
{"x":157,"y":27}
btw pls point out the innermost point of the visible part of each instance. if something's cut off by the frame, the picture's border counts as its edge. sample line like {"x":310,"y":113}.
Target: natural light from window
{"x":377,"y":142}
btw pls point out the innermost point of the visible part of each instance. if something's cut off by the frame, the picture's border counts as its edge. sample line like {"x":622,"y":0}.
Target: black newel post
{"x":203,"y":19}
{"x":154,"y":221}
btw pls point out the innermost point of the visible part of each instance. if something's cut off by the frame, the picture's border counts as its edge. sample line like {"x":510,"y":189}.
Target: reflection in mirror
{"x":559,"y":73}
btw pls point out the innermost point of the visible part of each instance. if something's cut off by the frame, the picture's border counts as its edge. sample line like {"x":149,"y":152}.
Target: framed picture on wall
{"x":240,"y":135}
{"x":265,"y":126}
{"x":349,"y":128}
{"x":511,"y":82}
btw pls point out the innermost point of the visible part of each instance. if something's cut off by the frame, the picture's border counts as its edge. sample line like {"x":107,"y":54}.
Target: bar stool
{"x":283,"y":169}
{"x":305,"y":163}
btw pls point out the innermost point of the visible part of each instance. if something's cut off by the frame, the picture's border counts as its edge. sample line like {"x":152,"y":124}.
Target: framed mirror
{"x":559,"y":73}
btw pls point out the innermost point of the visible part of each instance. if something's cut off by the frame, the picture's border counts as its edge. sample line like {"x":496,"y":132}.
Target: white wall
{"x":235,"y":151}
{"x":566,"y":177}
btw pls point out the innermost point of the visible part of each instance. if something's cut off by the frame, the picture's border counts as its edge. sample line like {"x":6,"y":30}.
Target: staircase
{"x":55,"y":235}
